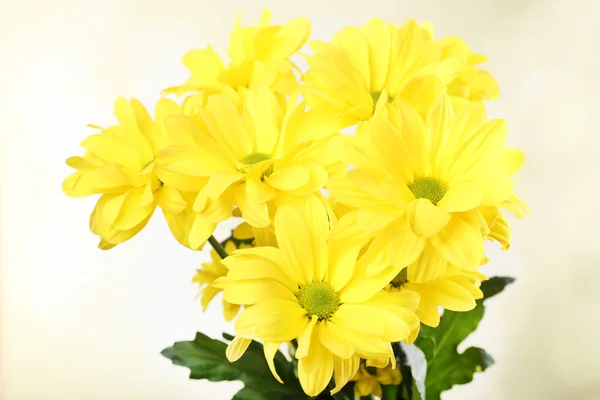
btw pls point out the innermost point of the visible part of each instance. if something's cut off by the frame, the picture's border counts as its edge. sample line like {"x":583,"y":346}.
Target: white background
{"x":79,"y":323}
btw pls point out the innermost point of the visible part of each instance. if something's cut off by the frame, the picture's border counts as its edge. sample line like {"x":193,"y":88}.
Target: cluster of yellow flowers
{"x":350,"y":241}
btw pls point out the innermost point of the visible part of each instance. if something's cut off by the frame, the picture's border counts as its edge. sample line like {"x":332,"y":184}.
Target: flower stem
{"x":390,"y":392}
{"x":217,"y":246}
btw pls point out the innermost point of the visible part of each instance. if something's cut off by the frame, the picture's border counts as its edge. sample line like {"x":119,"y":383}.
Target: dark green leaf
{"x":445,"y":366}
{"x":205,"y":357}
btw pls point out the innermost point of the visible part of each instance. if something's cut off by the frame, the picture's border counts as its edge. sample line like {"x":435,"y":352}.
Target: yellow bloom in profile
{"x":457,"y":290}
{"x":421,"y":185}
{"x":269,"y":153}
{"x":259,"y":56}
{"x":315,"y":290}
{"x":381,"y":62}
{"x":216,"y":269}
{"x":368,"y":380}
{"x":120,"y":165}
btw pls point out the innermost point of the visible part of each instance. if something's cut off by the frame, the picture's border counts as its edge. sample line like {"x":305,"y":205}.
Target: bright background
{"x":79,"y":323}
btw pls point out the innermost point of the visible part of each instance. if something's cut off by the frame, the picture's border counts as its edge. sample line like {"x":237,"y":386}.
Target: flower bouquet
{"x":367,"y":184}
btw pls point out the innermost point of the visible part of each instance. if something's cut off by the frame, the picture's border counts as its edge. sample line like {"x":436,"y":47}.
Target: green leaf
{"x":205,"y":357}
{"x":445,"y":366}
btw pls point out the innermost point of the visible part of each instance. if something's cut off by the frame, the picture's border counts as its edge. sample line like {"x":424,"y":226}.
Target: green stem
{"x":389,"y":392}
{"x":217,"y":246}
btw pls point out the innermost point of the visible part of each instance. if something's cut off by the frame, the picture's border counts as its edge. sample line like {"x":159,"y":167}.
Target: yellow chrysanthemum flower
{"x":421,"y":186}
{"x":270,"y":153}
{"x":120,"y":165}
{"x":382,"y":62}
{"x":314,"y":289}
{"x":456,"y":291}
{"x":368,"y":380}
{"x":259,"y":56}
{"x":216,"y":269}
{"x":471,"y":83}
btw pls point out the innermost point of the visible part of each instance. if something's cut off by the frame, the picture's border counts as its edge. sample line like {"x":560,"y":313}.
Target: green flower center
{"x":400,"y":279}
{"x":255,"y":158}
{"x":377,"y":94}
{"x":428,"y":188}
{"x":319,"y":298}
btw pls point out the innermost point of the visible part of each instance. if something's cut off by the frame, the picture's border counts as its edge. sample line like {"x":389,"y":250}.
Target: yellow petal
{"x":372,"y":219}
{"x":243,"y":232}
{"x":199,"y":232}
{"x":362,"y":287}
{"x":230,"y":310}
{"x":237,"y":348}
{"x":208,"y":293}
{"x":317,"y":178}
{"x":295,"y":244}
{"x":317,"y":222}
{"x":267,"y":118}
{"x":403,"y":245}
{"x":413,"y":134}
{"x":439,"y":121}
{"x":461,"y":197}
{"x":107,"y":148}
{"x":133,"y":137}
{"x":132,"y":212}
{"x":378,"y":36}
{"x":258,"y":191}
{"x":460,"y":244}
{"x":343,"y":371}
{"x":346,"y":191}
{"x":425,"y":219}
{"x":315,"y":370}
{"x":495,"y":188}
{"x":270,"y":350}
{"x":341,"y":261}
{"x":396,"y":192}
{"x":244,"y":266}
{"x":451,"y":296}
{"x":289,"y":39}
{"x":256,"y":214}
{"x":304,"y":340}
{"x":429,"y":267}
{"x":112,"y":207}
{"x":332,"y":338}
{"x":490,"y":135}
{"x":353,"y":316}
{"x":289,"y":178}
{"x":423,"y":91}
{"x":171,"y":200}
{"x":217,"y":184}
{"x":272,"y":320}
{"x":253,"y":291}
{"x":231,"y":128}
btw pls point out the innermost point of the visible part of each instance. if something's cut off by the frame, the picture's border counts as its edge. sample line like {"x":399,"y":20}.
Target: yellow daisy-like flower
{"x":259,"y":55}
{"x":382,"y":62}
{"x":456,"y":291}
{"x":120,"y":165}
{"x":270,"y":153}
{"x":421,"y":185}
{"x":368,"y":380}
{"x":314,"y":289}
{"x":216,"y":269}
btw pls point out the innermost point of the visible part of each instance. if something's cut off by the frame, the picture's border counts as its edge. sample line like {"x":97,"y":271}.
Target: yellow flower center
{"x":400,"y":279}
{"x":428,"y":188}
{"x":255,"y":158}
{"x":377,"y":94}
{"x":319,"y":298}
